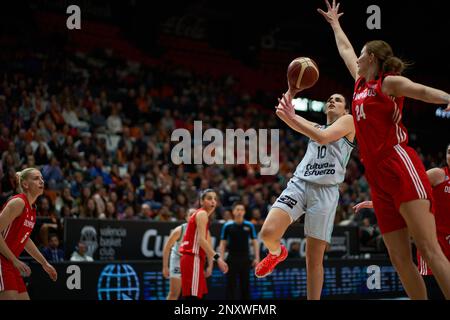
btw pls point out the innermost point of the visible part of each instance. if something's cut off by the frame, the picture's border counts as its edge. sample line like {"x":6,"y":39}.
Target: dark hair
{"x":237,"y":203}
{"x":346,"y":104}
{"x":203,"y":193}
{"x":387,"y":62}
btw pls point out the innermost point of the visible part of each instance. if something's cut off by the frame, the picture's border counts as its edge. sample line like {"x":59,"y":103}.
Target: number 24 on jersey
{"x":360,"y":112}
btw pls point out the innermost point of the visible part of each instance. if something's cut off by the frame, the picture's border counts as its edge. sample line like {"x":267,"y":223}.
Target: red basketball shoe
{"x":266,"y":266}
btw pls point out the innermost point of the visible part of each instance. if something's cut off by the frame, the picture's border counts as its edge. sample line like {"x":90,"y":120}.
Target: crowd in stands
{"x":99,"y":129}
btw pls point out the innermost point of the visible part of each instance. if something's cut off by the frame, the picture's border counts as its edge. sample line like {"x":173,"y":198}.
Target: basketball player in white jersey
{"x":313,"y":190}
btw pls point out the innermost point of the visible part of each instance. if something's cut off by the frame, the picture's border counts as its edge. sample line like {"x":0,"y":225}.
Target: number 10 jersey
{"x":325,"y":164}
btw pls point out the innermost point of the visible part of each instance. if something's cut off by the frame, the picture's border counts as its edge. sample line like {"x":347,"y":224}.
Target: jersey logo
{"x":287,"y":201}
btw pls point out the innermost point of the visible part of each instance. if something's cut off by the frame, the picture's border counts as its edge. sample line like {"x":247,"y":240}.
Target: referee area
{"x":131,"y":109}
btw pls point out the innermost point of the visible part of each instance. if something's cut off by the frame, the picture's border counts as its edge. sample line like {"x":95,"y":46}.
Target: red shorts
{"x":193,"y":281}
{"x":400,"y":177}
{"x":10,"y":278}
{"x":444,"y":243}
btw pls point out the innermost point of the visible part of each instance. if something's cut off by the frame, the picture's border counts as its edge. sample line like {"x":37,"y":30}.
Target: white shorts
{"x":174,"y":266}
{"x":318,"y":202}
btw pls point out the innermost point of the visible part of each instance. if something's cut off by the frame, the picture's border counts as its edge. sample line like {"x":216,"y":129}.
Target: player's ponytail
{"x":393,"y":65}
{"x":387,"y":62}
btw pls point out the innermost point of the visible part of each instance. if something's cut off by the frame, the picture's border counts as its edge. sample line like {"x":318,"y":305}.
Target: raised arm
{"x":344,"y":45}
{"x":399,"y":86}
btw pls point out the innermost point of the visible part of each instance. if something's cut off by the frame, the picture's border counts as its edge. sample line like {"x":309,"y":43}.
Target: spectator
{"x":52,"y":174}
{"x":80,"y":253}
{"x":146,"y":212}
{"x":52,"y":252}
{"x":114,"y":121}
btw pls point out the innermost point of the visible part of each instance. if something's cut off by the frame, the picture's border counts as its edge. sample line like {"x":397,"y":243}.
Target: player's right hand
{"x":223,"y":266}
{"x":22,"y":267}
{"x":363,"y":205}
{"x":166,"y":272}
{"x":332,"y":16}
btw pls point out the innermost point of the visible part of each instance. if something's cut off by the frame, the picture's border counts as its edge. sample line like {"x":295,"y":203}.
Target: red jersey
{"x":18,"y":231}
{"x":441,"y":195}
{"x":377,"y":119}
{"x":190,"y":244}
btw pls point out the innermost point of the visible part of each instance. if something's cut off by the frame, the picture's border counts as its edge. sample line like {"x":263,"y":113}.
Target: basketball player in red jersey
{"x":400,"y":190}
{"x":17,"y":220}
{"x":440,"y":182}
{"x":195,"y":247}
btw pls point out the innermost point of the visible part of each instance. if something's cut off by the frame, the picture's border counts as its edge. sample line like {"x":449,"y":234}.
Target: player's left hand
{"x":448,"y":108}
{"x":255,"y":263}
{"x":50,"y":270}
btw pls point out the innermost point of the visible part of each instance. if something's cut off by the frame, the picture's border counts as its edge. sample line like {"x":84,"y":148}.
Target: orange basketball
{"x":302,"y":73}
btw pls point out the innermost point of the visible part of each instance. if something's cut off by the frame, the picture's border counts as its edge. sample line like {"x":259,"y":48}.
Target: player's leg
{"x":23,"y":296}
{"x":399,"y":247}
{"x":315,"y":250}
{"x":319,"y":220}
{"x":9,"y":295}
{"x":174,"y":288}
{"x":273,"y":229}
{"x":422,"y":228}
{"x":288,"y":207}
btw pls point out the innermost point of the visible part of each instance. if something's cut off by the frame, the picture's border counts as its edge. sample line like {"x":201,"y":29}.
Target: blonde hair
{"x":21,"y":176}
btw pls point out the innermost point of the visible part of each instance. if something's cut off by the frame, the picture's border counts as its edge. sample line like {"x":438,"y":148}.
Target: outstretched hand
{"x":332,"y":15}
{"x":285,"y":108}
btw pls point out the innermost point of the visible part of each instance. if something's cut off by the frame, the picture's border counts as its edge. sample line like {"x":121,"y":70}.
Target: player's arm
{"x":436,"y":176}
{"x":174,"y":235}
{"x":223,"y":247}
{"x":340,"y":128}
{"x":201,"y":219}
{"x":210,"y":267}
{"x":33,"y":251}
{"x":399,"y":86}
{"x":11,"y":211}
{"x":344,"y":45}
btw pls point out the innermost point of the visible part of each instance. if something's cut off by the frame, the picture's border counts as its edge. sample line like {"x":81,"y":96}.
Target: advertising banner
{"x":133,"y":280}
{"x":109,"y":240}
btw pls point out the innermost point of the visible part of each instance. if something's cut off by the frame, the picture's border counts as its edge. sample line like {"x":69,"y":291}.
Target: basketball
{"x":302,"y":73}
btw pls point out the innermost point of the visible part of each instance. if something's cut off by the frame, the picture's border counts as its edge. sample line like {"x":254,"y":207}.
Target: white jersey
{"x":325,"y":164}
